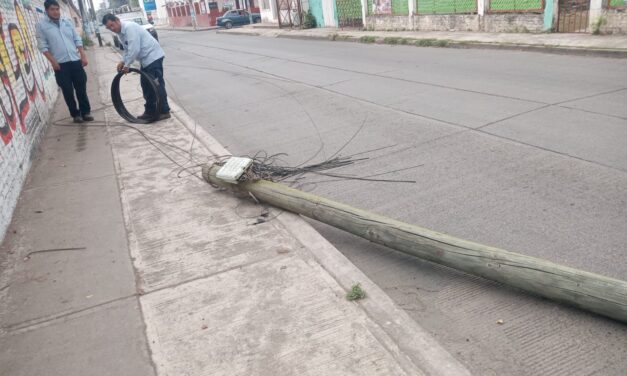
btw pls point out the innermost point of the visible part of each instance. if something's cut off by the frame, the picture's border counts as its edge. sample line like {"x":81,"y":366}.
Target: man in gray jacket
{"x":140,"y":45}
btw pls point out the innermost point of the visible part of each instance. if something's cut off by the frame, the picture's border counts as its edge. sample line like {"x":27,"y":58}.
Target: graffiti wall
{"x":27,"y":93}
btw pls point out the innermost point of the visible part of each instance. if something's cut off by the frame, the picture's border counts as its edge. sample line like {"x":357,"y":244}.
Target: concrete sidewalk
{"x":580,"y":44}
{"x":121,"y":261}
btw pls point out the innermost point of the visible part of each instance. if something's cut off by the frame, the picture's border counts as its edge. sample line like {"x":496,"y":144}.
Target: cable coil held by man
{"x":119,"y":106}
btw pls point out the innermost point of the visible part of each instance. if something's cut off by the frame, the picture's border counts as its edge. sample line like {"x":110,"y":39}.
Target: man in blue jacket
{"x":140,"y":45}
{"x":58,"y":40}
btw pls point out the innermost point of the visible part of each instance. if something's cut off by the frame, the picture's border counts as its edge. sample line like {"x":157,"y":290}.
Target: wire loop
{"x":119,"y":106}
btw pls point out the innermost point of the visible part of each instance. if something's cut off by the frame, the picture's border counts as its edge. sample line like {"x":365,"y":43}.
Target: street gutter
{"x":553,"y":49}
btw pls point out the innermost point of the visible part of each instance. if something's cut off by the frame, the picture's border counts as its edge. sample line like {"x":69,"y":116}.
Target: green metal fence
{"x":516,"y":5}
{"x":446,"y":6}
{"x":349,"y":13}
{"x":618,"y":4}
{"x":400,"y":7}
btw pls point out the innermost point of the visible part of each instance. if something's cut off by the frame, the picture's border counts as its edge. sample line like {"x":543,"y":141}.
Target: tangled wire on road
{"x":267,"y":167}
{"x":264,"y":166}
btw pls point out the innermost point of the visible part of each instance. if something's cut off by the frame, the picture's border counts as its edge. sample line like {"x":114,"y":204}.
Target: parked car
{"x":237,"y":17}
{"x":140,"y":20}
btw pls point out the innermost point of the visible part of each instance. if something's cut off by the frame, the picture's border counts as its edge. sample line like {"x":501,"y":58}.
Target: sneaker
{"x":88,"y":117}
{"x":165,"y":115}
{"x":145,"y":116}
{"x":78,"y":119}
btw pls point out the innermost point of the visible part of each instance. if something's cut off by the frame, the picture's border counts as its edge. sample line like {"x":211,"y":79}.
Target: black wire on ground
{"x":119,"y":106}
{"x":264,"y":166}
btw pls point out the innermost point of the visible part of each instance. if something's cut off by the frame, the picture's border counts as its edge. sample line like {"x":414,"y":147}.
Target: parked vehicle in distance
{"x":237,"y":17}
{"x":138,"y":18}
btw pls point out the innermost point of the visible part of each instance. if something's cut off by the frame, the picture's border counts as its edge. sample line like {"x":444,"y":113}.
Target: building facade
{"x":571,"y":16}
{"x":204,"y":13}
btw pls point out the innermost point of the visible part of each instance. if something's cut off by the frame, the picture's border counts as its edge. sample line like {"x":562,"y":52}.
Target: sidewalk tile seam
{"x":211,"y":275}
{"x":551,"y":151}
{"x":592,"y":112}
{"x":34,"y":324}
{"x":67,"y":182}
{"x":613,"y":91}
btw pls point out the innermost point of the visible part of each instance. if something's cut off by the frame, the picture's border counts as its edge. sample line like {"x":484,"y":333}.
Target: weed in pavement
{"x":356,"y":293}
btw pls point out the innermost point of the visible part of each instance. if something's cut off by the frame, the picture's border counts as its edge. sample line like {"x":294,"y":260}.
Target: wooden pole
{"x":592,"y":292}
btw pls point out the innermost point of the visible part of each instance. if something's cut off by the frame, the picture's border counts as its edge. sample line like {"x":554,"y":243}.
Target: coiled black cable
{"x":119,"y":106}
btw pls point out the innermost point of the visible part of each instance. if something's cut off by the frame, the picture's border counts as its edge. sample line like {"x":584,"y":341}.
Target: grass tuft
{"x":368,"y":39}
{"x":356,"y":293}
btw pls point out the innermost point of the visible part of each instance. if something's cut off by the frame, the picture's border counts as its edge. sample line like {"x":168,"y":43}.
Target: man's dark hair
{"x":49,"y":3}
{"x":107,"y":17}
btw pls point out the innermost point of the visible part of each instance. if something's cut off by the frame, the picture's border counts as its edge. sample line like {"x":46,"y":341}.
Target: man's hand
{"x":122,"y":68}
{"x":81,"y":51}
{"x":52,"y":61}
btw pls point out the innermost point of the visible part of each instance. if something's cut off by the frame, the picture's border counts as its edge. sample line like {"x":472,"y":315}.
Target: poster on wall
{"x":382,"y":6}
{"x":150,"y":5}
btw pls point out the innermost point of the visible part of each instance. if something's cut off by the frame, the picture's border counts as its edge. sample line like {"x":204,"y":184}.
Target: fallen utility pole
{"x":592,"y":292}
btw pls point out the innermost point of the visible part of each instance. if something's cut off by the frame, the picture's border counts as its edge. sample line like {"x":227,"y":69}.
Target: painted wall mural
{"x":27,"y":93}
{"x":24,"y":72}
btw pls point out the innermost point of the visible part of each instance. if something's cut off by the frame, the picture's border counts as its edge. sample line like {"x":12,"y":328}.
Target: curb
{"x":210,"y":143}
{"x":190,"y":30}
{"x":574,"y":51}
{"x":410,"y":342}
{"x":253,"y":34}
{"x":565,"y":50}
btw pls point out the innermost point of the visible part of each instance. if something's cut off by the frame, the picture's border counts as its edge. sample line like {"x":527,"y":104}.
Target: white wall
{"x":162,"y":14}
{"x":328,"y":11}
{"x":268,"y":11}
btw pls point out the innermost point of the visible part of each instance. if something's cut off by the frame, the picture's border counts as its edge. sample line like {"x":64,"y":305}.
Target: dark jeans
{"x":154,"y":70}
{"x":72,"y":77}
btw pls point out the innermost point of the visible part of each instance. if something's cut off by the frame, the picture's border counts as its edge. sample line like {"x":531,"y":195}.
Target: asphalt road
{"x":523,"y":151}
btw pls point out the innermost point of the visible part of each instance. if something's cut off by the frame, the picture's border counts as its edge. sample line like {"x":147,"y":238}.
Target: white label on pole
{"x":233,"y":169}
